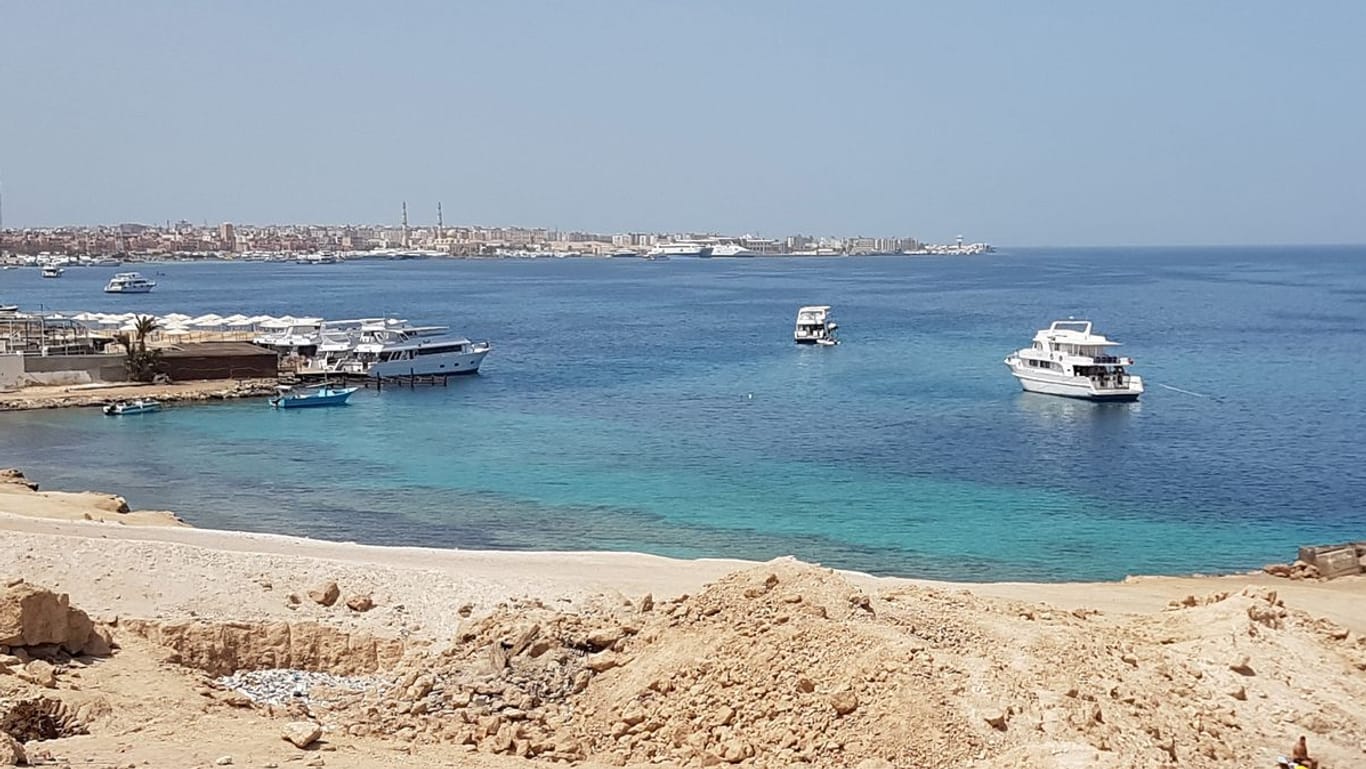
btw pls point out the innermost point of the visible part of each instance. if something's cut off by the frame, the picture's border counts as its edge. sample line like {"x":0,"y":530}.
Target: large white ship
{"x":681,"y":248}
{"x":1067,"y":359}
{"x":731,"y":249}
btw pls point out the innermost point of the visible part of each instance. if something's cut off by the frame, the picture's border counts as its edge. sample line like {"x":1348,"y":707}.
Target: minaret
{"x":405,"y":224}
{"x":440,"y":223}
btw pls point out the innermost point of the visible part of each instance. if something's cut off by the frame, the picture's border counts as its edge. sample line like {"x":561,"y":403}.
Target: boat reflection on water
{"x":1049,"y":411}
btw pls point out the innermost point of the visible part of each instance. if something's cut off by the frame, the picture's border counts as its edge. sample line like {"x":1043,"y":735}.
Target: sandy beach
{"x":513,"y":658}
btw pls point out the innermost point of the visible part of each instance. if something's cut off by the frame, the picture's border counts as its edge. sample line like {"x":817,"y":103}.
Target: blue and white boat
{"x":139,"y":406}
{"x":311,"y":397}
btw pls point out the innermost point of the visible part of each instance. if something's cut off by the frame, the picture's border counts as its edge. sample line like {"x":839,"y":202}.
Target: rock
{"x":997,"y":719}
{"x":11,"y":751}
{"x":32,"y":616}
{"x":605,"y":637}
{"x":223,"y":761}
{"x":806,"y":685}
{"x":41,"y":673}
{"x":301,"y":734}
{"x":874,"y":763}
{"x":360,"y":603}
{"x":1278,"y":569}
{"x":844,"y":702}
{"x":1242,"y":666}
{"x":601,"y":661}
{"x":1239,"y":694}
{"x":325,"y":594}
{"x":647,"y":603}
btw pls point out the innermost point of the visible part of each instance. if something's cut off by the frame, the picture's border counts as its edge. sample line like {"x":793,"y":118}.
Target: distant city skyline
{"x":1073,"y":124}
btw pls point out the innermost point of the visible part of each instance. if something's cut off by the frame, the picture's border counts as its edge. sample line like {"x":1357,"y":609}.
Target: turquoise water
{"x":662,"y":407}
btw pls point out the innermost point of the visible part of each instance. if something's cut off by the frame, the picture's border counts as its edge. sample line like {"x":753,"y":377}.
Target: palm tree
{"x":140,"y":362}
{"x":145,"y":325}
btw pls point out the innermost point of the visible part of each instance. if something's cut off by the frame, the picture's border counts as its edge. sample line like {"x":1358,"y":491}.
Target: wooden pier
{"x":411,"y":381}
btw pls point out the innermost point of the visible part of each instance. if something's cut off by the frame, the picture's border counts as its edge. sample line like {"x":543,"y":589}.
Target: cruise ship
{"x":1067,"y":359}
{"x":681,"y":248}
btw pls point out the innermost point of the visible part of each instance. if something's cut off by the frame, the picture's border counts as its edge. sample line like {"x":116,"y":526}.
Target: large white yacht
{"x":815,"y":326}
{"x":1067,"y":359}
{"x":129,"y":283}
{"x":731,"y":249}
{"x":384,"y":351}
{"x":681,"y":248}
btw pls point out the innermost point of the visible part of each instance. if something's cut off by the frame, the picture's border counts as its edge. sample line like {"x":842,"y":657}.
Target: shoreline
{"x":68,"y":521}
{"x":215,"y":643}
{"x":90,"y":395}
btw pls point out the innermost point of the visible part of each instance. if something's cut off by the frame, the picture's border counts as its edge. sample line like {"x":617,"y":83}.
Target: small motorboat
{"x":310,"y":397}
{"x":139,"y":406}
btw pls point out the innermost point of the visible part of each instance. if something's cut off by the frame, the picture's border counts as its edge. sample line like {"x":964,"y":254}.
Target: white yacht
{"x":52,"y":271}
{"x":129,"y":283}
{"x":384,"y":351}
{"x":1067,"y":359}
{"x":815,"y":326}
{"x":681,"y":248}
{"x":731,"y":249}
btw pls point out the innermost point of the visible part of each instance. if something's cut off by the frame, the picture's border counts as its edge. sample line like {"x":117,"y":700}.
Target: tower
{"x":405,"y":224}
{"x":440,"y":223}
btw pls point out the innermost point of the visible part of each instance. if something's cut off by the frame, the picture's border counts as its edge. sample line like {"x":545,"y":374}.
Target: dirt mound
{"x":789,"y":663}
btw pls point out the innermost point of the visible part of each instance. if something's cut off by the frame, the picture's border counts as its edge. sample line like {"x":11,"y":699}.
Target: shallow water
{"x":662,"y":407}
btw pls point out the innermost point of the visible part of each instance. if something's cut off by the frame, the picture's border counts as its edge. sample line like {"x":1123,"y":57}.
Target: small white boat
{"x":311,"y":397}
{"x":815,"y":325}
{"x":129,"y":283}
{"x":139,"y":406}
{"x":1067,"y":359}
{"x":52,"y":271}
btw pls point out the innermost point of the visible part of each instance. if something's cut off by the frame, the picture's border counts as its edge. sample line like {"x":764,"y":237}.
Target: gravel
{"x":282,"y":685}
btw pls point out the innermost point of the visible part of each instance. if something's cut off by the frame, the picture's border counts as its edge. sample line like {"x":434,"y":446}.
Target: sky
{"x":1069,"y":122}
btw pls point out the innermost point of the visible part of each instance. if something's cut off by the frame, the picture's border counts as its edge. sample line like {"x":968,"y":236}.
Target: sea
{"x":662,"y":407}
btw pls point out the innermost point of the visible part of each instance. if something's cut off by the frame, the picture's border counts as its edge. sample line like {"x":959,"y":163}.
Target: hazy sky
{"x":1018,"y":123}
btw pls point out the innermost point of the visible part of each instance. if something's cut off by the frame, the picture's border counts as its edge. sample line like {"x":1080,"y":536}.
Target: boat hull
{"x":445,"y":364}
{"x":139,"y":290}
{"x":1079,"y":388}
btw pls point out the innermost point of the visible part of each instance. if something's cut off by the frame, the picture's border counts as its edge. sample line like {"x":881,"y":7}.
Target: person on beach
{"x":1301,"y":754}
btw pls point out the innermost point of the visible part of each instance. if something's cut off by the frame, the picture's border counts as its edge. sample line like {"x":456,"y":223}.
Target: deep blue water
{"x":662,"y":407}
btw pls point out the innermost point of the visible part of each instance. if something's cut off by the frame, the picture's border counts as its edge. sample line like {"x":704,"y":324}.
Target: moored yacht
{"x":1067,"y":359}
{"x":815,"y":326}
{"x":129,"y":283}
{"x":383,"y":351}
{"x":52,"y":271}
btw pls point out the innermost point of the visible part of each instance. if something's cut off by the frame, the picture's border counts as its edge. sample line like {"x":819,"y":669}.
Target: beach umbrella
{"x":233,"y":320}
{"x":207,"y":321}
{"x":175,"y":318}
{"x":308,"y":321}
{"x":276,"y":323}
{"x":175,"y":331}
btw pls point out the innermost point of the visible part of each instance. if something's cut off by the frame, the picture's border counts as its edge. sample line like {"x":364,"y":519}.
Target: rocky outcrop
{"x":44,"y":623}
{"x":223,"y":648}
